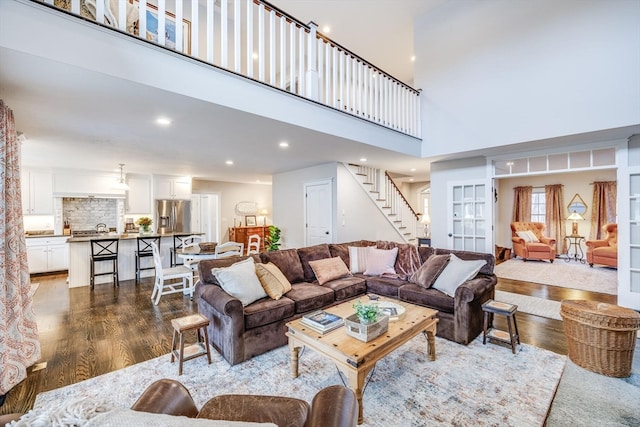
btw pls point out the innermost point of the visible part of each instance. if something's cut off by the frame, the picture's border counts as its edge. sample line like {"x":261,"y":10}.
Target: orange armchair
{"x":544,"y":248}
{"x":604,"y":251}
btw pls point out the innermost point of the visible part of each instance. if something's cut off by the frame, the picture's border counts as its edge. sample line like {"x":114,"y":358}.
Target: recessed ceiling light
{"x":255,"y":55}
{"x":326,"y":29}
{"x":413,"y":58}
{"x":363,"y":159}
{"x":284,"y":144}
{"x":411,"y":179}
{"x":229,"y":162}
{"x":412,"y":169}
{"x":163,"y":121}
{"x":257,"y":181}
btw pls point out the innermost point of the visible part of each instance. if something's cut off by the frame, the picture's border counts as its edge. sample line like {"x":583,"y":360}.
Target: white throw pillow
{"x":528,"y":236}
{"x":357,"y":259}
{"x":456,"y":273}
{"x":240,"y":281}
{"x":381,"y":261}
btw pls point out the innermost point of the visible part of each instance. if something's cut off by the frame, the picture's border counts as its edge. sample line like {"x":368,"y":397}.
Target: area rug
{"x":571,"y":275}
{"x":467,"y":385}
{"x":531,"y":305}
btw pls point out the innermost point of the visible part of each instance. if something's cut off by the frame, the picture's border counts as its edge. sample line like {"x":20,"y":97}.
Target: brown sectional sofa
{"x":240,"y":333}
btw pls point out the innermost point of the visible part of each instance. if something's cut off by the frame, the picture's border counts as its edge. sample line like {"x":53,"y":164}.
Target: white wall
{"x":288,"y":201}
{"x":443,"y":174}
{"x":574,"y":183}
{"x":230,"y":194}
{"x":500,"y":72}
{"x":358,"y":216}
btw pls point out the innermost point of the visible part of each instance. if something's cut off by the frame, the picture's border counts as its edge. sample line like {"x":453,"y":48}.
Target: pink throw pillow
{"x":381,"y":261}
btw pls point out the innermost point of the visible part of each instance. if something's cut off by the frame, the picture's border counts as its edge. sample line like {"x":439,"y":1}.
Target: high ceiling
{"x":66,"y":127}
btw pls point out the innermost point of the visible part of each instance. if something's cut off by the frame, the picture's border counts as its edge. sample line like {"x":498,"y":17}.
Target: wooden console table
{"x":241,"y":235}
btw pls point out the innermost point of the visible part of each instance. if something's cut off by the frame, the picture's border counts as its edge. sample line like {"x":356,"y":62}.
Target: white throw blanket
{"x":88,"y":412}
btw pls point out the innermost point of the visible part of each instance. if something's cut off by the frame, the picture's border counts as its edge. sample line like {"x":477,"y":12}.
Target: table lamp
{"x":575,"y":217}
{"x":426,"y":220}
{"x":264,"y":214}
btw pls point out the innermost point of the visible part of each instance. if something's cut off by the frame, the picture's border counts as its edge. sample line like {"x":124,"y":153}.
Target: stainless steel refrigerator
{"x":174,"y":216}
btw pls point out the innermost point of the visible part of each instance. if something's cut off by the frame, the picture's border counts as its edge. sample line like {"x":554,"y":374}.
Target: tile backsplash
{"x":86,"y":213}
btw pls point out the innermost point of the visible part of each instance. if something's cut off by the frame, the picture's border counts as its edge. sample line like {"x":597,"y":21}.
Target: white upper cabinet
{"x":139,"y":194}
{"x":85,"y":184}
{"x":172,"y":187}
{"x":37,"y":192}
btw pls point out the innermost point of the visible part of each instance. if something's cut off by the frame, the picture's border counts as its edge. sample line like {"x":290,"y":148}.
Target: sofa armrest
{"x":596,"y":243}
{"x":518,"y":240}
{"x":548,"y":241}
{"x":468,"y":315}
{"x":226,"y":321}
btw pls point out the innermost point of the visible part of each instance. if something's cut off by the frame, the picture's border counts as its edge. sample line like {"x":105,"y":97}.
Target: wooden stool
{"x":492,"y":307}
{"x":200,"y":348}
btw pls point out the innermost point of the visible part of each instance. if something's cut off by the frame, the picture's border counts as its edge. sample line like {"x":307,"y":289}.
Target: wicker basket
{"x":600,"y":337}
{"x":207,"y":246}
{"x":366,"y":332}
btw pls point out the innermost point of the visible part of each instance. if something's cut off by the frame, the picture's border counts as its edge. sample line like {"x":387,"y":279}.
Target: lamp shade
{"x":575,"y":216}
{"x":426,"y":219}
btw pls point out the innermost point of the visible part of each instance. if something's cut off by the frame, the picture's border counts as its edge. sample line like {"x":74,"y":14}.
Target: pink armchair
{"x":604,"y":251}
{"x":544,"y":249}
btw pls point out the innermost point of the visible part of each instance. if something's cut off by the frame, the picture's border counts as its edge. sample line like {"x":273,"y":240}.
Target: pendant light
{"x":121,"y":185}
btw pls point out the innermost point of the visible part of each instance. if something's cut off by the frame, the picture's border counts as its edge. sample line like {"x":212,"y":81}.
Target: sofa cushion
{"x":329,"y":269}
{"x":341,"y":250}
{"x":528,"y":236}
{"x":432,"y":298}
{"x":312,"y":253}
{"x":466,"y":255}
{"x":347,"y":287}
{"x":456,"y":273}
{"x":430,"y":270}
{"x":425,"y":252}
{"x":309,"y":297}
{"x":266,"y":311}
{"x":381,"y":261}
{"x":288,"y":261}
{"x":274,"y":285}
{"x":205,"y":266}
{"x":240,"y":280}
{"x":385,"y":286}
{"x":606,"y":252}
{"x":358,"y":258}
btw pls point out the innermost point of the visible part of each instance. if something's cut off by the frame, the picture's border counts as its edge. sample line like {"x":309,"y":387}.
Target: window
{"x":538,"y":205}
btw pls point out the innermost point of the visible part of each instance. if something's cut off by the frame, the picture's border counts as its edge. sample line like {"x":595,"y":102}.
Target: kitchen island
{"x":80,"y":257}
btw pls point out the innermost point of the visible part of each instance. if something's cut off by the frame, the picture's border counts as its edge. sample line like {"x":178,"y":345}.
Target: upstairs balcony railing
{"x":259,"y":41}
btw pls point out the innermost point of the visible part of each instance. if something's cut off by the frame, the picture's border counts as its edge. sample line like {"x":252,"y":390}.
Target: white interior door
{"x":318,"y":212}
{"x":469,"y":222}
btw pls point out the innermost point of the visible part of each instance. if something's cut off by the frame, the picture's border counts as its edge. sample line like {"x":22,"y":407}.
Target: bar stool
{"x":181,"y":326}
{"x":104,"y":250}
{"x":144,"y":251}
{"x":490,"y":308}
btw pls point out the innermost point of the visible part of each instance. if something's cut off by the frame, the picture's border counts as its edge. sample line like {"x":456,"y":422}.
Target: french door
{"x":469,"y":216}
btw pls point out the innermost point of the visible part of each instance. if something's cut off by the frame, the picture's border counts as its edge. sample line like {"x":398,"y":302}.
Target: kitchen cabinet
{"x":171,"y":187}
{"x":46,"y":254}
{"x":37,"y":192}
{"x":139,"y":195}
{"x":85,"y":184}
{"x":241,"y":235}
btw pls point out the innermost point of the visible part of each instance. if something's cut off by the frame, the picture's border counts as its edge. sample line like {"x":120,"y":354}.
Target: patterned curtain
{"x":19,"y":345}
{"x":522,"y":204}
{"x":604,"y":207}
{"x":555,"y":215}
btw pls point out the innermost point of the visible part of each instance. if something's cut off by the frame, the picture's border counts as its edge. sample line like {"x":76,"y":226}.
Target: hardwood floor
{"x":84,"y":334}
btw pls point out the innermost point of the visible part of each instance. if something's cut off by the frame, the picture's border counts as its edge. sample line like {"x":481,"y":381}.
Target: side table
{"x":194,"y":322}
{"x":573,"y":241}
{"x":424,"y":241}
{"x":490,"y":308}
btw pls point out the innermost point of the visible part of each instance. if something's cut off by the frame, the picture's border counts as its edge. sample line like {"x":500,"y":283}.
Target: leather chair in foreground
{"x":604,"y":251}
{"x":333,"y":406}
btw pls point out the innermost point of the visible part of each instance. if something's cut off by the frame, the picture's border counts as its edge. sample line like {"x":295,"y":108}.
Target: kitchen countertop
{"x":124,"y":236}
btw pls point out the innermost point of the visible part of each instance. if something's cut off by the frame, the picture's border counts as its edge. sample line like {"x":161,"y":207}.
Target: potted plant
{"x":367,"y":313}
{"x":273,"y":238}
{"x":145,"y":224}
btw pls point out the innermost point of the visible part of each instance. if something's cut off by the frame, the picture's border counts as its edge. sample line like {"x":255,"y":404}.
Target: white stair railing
{"x":389,"y":199}
{"x":255,"y":39}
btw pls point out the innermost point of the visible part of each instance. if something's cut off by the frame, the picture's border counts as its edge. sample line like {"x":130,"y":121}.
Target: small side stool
{"x":491,"y":308}
{"x":185,"y":324}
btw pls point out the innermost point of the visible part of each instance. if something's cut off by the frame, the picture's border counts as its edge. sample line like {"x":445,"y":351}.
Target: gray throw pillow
{"x":430,"y":270}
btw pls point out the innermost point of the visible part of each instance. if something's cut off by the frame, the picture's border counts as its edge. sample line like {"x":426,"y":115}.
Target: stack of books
{"x":322,"y":322}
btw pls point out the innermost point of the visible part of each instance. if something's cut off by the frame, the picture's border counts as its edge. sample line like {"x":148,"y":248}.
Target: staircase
{"x":389,"y":199}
